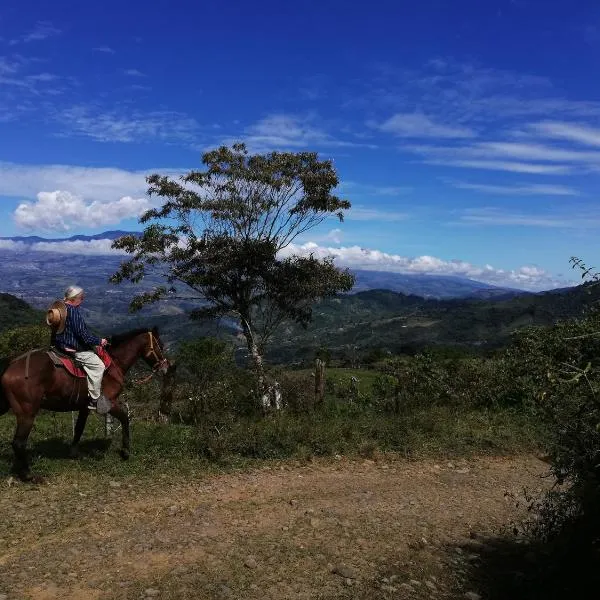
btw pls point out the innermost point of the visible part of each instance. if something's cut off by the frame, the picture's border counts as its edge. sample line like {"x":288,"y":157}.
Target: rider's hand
{"x":103,"y":342}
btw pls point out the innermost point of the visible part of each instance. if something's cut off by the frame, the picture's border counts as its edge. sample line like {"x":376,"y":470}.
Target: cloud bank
{"x":528,"y":277}
{"x":62,"y":211}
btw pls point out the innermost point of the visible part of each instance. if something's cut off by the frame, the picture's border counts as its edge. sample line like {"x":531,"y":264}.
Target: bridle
{"x":160,"y":360}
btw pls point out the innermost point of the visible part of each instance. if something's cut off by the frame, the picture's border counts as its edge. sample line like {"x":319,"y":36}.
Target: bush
{"x":21,"y":339}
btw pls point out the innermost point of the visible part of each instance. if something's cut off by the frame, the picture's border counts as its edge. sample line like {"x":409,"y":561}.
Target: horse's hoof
{"x":124,"y":454}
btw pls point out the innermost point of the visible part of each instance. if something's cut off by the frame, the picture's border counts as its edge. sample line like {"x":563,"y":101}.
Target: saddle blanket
{"x":64,"y":360}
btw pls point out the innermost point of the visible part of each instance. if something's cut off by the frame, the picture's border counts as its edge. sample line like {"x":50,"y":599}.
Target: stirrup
{"x":102,"y":405}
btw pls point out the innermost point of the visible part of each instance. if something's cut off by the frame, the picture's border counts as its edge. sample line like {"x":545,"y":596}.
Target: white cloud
{"x":510,"y":166}
{"x":12,"y":245}
{"x":290,"y":132}
{"x":101,"y":184}
{"x":134,"y":126}
{"x":532,"y":189}
{"x":99,"y":247}
{"x":417,"y":125}
{"x":359,"y":213}
{"x":62,"y":211}
{"x":78,"y":247}
{"x":527,"y":277}
{"x":104,"y":49}
{"x":134,"y":73}
{"x":577,"y":219}
{"x":509,"y":156}
{"x":361,"y":189}
{"x":574,"y":132}
{"x":535,"y":152}
{"x":41,"y":31}
{"x":88,"y":196}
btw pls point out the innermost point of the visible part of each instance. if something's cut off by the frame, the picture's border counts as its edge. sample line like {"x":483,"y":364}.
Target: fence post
{"x":319,"y":381}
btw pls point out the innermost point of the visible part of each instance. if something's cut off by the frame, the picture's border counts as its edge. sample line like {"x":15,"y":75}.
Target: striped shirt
{"x":76,"y":334}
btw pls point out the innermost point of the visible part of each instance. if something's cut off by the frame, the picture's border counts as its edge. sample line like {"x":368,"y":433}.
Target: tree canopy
{"x":225,"y":232}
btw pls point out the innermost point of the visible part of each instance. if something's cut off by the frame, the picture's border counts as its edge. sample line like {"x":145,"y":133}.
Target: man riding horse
{"x":71,"y":336}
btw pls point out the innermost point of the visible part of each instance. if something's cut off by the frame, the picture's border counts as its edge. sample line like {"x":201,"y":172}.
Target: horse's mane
{"x":120,"y":338}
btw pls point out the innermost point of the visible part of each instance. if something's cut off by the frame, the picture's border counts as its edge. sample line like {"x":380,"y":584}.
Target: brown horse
{"x":32,"y":382}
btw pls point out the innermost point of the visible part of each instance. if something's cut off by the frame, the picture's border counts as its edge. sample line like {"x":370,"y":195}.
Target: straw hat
{"x":56,"y":316}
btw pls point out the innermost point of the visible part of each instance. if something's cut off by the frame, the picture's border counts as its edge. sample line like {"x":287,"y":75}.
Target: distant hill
{"x":428,"y":286}
{"x":15,"y":312}
{"x":400,"y":323}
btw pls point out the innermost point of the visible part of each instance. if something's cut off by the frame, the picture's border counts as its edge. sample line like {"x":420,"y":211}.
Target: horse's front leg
{"x":79,"y":427}
{"x":121,"y":414}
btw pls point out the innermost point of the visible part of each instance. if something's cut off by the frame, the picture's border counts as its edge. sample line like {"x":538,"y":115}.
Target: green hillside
{"x":396,"y":323}
{"x":15,"y":313}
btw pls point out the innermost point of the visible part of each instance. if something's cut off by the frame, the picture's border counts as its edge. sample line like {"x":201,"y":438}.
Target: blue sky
{"x":466,"y":134}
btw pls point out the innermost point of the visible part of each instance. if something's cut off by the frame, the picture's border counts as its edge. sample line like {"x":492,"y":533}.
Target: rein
{"x":160,"y":362}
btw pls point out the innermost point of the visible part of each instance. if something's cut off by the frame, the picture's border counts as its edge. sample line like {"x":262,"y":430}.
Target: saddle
{"x":61,"y":359}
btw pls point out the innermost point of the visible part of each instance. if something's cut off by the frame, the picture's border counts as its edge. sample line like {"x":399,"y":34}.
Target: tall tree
{"x":225,"y":231}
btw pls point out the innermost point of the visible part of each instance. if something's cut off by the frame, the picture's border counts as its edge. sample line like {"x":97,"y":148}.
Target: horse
{"x":32,"y":382}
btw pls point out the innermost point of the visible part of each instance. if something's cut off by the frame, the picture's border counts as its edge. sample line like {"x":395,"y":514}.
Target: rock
{"x":463,"y":470}
{"x":348,"y":581}
{"x":407,"y":587}
{"x":315,"y":523}
{"x":224,"y":591}
{"x":430,"y":585}
{"x":293,"y":502}
{"x":472,"y":596}
{"x":3,"y":596}
{"x":344,"y":571}
{"x":151,"y":592}
{"x":173,"y":509}
{"x":251,"y":562}
{"x":114,"y":484}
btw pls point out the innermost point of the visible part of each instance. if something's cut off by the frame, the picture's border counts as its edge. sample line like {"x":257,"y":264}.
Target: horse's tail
{"x":4,"y":406}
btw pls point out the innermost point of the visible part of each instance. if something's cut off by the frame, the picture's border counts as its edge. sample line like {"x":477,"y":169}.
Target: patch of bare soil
{"x":333,"y":529}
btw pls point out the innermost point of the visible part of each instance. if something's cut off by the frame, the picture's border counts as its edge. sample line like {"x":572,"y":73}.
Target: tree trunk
{"x":257,"y":359}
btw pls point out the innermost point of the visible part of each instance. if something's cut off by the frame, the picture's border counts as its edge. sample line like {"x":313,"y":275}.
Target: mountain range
{"x":389,"y":312}
{"x":31,"y":259}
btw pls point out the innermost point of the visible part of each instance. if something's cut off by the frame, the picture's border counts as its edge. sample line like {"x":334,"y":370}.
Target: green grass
{"x":342,"y":377}
{"x":226,"y":442}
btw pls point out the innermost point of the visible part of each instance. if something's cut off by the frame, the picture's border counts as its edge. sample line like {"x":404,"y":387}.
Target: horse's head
{"x":154,"y":354}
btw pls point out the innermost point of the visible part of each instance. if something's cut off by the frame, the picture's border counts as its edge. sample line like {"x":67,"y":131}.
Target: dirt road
{"x":336,"y":529}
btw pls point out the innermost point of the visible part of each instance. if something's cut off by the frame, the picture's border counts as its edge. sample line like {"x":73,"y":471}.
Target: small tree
{"x":222,"y":232}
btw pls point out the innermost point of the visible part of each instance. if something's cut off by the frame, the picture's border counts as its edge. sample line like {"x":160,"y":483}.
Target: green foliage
{"x":15,"y":312}
{"x":21,"y":339}
{"x":204,"y":358}
{"x":359,"y":327}
{"x":220,"y":232}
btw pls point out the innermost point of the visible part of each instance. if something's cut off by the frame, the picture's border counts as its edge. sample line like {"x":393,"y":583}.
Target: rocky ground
{"x":384,"y":528}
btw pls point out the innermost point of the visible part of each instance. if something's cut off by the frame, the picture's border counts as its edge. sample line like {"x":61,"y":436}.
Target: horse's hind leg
{"x":121,"y":415}
{"x":79,"y":427}
{"x":19,"y":444}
